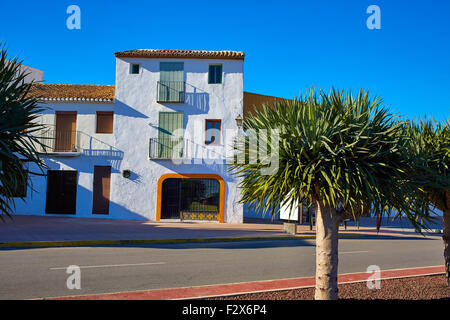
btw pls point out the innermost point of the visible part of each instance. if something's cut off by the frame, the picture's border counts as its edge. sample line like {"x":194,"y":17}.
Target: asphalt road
{"x":38,"y":273}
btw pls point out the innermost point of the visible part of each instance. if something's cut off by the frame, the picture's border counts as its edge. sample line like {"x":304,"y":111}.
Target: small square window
{"x":215,"y":73}
{"x":213,"y":128}
{"x":105,"y":121}
{"x":134,"y":68}
{"x":21,"y":187}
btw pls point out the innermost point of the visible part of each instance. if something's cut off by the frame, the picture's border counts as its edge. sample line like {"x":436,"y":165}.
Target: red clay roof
{"x":73,"y":92}
{"x":188,"y":54}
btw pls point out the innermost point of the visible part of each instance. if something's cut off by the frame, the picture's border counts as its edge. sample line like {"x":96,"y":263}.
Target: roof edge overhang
{"x":181,"y":54}
{"x":71,"y":99}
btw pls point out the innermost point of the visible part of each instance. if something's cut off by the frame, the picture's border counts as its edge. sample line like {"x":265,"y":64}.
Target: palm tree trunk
{"x":446,"y":238}
{"x":327,"y":228}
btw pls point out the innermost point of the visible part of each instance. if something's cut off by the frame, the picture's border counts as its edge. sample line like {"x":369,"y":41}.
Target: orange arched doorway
{"x":191,"y":176}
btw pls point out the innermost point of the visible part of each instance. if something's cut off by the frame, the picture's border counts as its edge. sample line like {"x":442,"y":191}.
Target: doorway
{"x":171,"y":199}
{"x":101,"y":190}
{"x":61,"y":192}
{"x":191,"y":197}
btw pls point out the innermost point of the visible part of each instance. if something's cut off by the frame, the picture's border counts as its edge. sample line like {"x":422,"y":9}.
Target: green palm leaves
{"x":18,"y":112}
{"x":341,"y":149}
{"x":430,"y":146}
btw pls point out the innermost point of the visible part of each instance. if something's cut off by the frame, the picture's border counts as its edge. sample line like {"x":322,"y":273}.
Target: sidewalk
{"x":230,"y":289}
{"x":38,"y":228}
{"x":38,"y":231}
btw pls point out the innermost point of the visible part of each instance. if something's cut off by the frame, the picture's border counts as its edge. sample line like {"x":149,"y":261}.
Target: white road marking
{"x":353,"y":252}
{"x":113,"y":265}
{"x":345,"y":252}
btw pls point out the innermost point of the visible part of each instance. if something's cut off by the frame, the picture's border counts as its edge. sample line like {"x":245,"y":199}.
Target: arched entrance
{"x":191,"y":197}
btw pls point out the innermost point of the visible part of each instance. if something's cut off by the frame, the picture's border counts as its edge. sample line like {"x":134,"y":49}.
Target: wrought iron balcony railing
{"x":57,"y":141}
{"x":166,"y":148}
{"x":171,"y":91}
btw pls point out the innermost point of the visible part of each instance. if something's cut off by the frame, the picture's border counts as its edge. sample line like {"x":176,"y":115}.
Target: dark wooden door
{"x":102,"y":183}
{"x":171,"y":199}
{"x":65,"y":134}
{"x":61,"y":192}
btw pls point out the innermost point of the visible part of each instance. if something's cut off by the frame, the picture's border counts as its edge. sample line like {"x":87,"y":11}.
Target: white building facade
{"x":151,"y":147}
{"x":33,"y":74}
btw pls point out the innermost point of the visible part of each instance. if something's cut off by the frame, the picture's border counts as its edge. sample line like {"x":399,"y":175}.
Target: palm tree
{"x":18,"y":128}
{"x":431,"y":146}
{"x":341,"y":152}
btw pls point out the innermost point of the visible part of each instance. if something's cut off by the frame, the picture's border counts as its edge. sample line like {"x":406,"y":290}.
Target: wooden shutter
{"x":21,"y":188}
{"x":105,"y":121}
{"x":21,"y":185}
{"x":215,"y":73}
{"x":169,"y":143}
{"x":101,"y":190}
{"x":66,"y":126}
{"x":172,"y":71}
{"x":171,"y":87}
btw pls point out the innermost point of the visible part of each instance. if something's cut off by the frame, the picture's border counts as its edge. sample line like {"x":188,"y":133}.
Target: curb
{"x":82,"y":243}
{"x":233,"y":289}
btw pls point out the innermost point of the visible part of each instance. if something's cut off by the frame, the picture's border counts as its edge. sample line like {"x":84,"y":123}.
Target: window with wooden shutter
{"x":215,"y":73}
{"x":213,"y":128}
{"x":21,"y":185}
{"x":134,"y":68}
{"x":171,"y":86}
{"x":170,"y":134}
{"x":66,"y":134}
{"x":105,"y":120}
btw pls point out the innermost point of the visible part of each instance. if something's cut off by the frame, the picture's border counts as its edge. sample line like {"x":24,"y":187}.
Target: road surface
{"x":39,"y":273}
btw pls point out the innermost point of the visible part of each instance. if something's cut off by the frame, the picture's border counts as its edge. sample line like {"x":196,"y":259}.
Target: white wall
{"x":33,"y":74}
{"x":135,"y":121}
{"x":97,"y":149}
{"x":137,"y":111}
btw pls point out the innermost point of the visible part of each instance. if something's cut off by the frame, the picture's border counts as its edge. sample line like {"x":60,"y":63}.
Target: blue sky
{"x":289,"y":45}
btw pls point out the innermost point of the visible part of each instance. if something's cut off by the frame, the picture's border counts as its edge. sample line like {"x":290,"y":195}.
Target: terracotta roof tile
{"x":188,"y":54}
{"x":73,"y":92}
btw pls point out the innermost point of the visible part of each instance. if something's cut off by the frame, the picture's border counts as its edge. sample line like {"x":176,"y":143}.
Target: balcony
{"x":171,"y":91}
{"x":60,"y":143}
{"x":166,"y":148}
